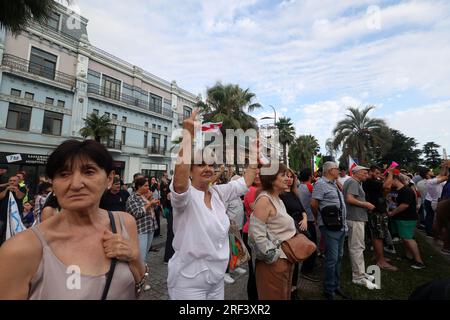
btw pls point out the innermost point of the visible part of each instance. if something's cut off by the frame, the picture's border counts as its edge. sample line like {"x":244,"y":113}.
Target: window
{"x":52,"y":123}
{"x":186,"y":112}
{"x":53,"y":21}
{"x":114,"y":116}
{"x":159,"y":128}
{"x":155,"y":141}
{"x":29,"y":96}
{"x":42,"y":63}
{"x":16,"y":93}
{"x":146,"y":124}
{"x":165,"y":128}
{"x":107,"y":114}
{"x":124,"y":135}
{"x":18,"y":117}
{"x":49,"y":101}
{"x":165,"y":143}
{"x":110,"y":87}
{"x":124,"y":119}
{"x":145,"y":139}
{"x":95,"y":111}
{"x":61,"y":104}
{"x":155,"y":103}
{"x":154,"y":126}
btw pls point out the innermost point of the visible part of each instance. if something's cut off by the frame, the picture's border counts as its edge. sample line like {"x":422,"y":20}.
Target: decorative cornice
{"x":34,"y":104}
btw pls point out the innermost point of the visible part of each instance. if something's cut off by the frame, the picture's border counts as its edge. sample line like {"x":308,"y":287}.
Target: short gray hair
{"x":327,"y":166}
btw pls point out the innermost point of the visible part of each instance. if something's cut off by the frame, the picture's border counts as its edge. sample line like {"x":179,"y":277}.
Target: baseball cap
{"x":359,"y":168}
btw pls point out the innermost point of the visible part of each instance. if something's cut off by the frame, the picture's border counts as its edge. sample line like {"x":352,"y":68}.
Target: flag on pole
{"x":317,"y":160}
{"x":14,"y":223}
{"x":211,"y":127}
{"x":351,"y":165}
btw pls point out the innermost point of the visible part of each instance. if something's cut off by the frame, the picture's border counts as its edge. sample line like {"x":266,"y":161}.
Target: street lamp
{"x":274,"y":118}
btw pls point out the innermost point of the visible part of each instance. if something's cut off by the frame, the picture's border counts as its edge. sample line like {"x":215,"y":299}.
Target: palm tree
{"x":97,"y":127}
{"x":302,"y":150}
{"x":286,"y":133}
{"x":358,"y":135}
{"x":229,"y":104}
{"x":16,"y":15}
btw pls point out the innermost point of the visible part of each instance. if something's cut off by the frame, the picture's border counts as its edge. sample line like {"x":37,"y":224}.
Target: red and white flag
{"x":351,"y":165}
{"x":211,"y":127}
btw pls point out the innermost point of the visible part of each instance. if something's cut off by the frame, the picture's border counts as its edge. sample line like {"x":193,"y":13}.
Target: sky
{"x":309,"y":59}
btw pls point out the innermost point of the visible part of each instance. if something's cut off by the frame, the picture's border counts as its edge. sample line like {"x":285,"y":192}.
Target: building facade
{"x":52,"y":78}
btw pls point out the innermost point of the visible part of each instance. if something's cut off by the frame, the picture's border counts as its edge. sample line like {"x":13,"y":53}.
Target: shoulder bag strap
{"x":113,"y":261}
{"x":339,"y":196}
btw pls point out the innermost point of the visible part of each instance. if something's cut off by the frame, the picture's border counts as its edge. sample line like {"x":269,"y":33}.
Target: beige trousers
{"x":356,"y":248}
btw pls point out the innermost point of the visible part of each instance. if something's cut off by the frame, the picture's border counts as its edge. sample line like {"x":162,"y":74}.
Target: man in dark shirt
{"x":18,"y":193}
{"x":115,"y":198}
{"x":405,"y":218}
{"x":376,"y":191}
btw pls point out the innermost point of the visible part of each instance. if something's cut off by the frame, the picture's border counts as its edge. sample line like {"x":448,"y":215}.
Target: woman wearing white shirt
{"x":200,"y":223}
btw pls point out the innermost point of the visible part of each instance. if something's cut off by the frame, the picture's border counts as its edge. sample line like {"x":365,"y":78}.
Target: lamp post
{"x":274,"y":117}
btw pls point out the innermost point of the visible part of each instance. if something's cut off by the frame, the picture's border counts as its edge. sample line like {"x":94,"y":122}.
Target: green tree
{"x":301,"y":152}
{"x":15,"y":15}
{"x":401,"y":149}
{"x":286,"y":134}
{"x":358,"y":135}
{"x":97,"y":127}
{"x":432,"y":159}
{"x":230,"y":104}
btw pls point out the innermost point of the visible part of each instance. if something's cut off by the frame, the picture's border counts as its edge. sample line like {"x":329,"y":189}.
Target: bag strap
{"x":113,"y":260}
{"x":339,"y":196}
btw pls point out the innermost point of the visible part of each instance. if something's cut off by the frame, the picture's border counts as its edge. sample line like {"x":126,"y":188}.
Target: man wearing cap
{"x":357,"y":206}
{"x":326,"y":194}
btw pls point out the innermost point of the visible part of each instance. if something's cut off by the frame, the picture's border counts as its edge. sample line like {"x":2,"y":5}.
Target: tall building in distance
{"x":52,"y":78}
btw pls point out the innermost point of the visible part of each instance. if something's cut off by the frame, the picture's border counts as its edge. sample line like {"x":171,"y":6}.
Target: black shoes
{"x":344,"y":296}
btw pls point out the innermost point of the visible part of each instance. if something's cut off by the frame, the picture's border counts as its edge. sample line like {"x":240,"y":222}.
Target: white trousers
{"x":356,"y":248}
{"x":197,"y":288}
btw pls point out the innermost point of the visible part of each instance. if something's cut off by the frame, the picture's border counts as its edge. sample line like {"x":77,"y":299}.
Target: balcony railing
{"x":19,"y":64}
{"x":157,"y":150}
{"x":113,"y":144}
{"x":125,"y":98}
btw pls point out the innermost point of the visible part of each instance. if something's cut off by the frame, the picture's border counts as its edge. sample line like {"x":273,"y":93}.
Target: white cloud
{"x":426,"y":123}
{"x":287,"y":51}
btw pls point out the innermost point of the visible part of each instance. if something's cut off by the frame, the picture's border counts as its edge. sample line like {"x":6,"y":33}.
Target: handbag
{"x":239,"y":254}
{"x":332,"y":216}
{"x":298,"y":248}
{"x":113,"y":260}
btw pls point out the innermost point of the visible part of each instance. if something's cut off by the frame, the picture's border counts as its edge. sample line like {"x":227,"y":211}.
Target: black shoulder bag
{"x":113,"y":260}
{"x":332,"y":216}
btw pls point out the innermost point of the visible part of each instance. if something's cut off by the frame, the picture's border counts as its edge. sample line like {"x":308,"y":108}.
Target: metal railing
{"x":125,"y":98}
{"x":157,"y":150}
{"x":19,"y":64}
{"x":113,"y":144}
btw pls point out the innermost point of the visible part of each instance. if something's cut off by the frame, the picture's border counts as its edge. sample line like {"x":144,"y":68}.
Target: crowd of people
{"x":82,"y":214}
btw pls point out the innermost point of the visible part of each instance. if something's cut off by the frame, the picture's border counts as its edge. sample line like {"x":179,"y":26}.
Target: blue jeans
{"x":333,"y":258}
{"x":145,"y":241}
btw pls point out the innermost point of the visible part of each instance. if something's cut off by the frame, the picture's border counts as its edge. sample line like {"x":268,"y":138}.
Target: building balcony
{"x":113,"y":144}
{"x":127,"y":99}
{"x":157,"y":151}
{"x":29,"y":69}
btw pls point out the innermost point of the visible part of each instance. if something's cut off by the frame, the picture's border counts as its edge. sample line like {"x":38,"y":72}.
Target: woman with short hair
{"x":70,"y":255}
